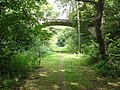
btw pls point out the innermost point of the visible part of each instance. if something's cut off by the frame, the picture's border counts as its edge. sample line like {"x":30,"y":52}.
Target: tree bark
{"x":99,"y":33}
{"x":78,"y":21}
{"x":98,"y":20}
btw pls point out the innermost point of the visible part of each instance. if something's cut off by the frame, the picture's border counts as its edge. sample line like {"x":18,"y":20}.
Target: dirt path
{"x":47,"y":78}
{"x":62,"y":71}
{"x":61,"y":79}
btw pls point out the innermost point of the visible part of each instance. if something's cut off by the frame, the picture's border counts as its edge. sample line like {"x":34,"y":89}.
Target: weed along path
{"x":64,"y":71}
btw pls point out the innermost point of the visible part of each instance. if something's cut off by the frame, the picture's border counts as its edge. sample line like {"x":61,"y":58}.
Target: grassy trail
{"x":64,"y":71}
{"x":61,"y":70}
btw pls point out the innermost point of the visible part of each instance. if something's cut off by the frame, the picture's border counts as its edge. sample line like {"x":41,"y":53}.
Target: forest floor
{"x":66,"y":71}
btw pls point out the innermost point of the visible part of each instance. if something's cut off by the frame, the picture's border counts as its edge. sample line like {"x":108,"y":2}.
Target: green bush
{"x":18,"y":68}
{"x":108,"y":67}
{"x":114,"y":47}
{"x":111,"y":65}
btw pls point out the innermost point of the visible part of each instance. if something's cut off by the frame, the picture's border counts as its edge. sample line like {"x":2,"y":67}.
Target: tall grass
{"x":20,"y":65}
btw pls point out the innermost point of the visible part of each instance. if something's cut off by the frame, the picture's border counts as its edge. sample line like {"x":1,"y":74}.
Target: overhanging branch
{"x":90,"y":1}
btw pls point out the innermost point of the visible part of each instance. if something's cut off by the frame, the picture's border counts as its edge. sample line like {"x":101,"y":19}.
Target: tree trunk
{"x":99,"y":33}
{"x":78,"y":21}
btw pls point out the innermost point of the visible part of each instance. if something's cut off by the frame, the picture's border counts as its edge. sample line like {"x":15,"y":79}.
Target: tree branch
{"x":90,"y":1}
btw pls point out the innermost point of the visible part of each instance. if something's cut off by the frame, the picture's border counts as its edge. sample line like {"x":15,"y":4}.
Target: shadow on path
{"x":64,"y":71}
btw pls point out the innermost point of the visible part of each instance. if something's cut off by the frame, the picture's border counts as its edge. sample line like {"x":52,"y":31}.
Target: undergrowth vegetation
{"x":76,"y":74}
{"x":24,"y":40}
{"x":108,"y":66}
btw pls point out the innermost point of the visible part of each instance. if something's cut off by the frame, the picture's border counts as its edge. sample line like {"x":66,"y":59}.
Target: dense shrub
{"x":19,"y":66}
{"x":109,"y":67}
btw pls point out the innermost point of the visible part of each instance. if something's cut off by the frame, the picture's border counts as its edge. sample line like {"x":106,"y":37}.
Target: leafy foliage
{"x":61,"y":42}
{"x":108,"y":67}
{"x":111,"y":24}
{"x":21,"y":39}
{"x":111,"y":65}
